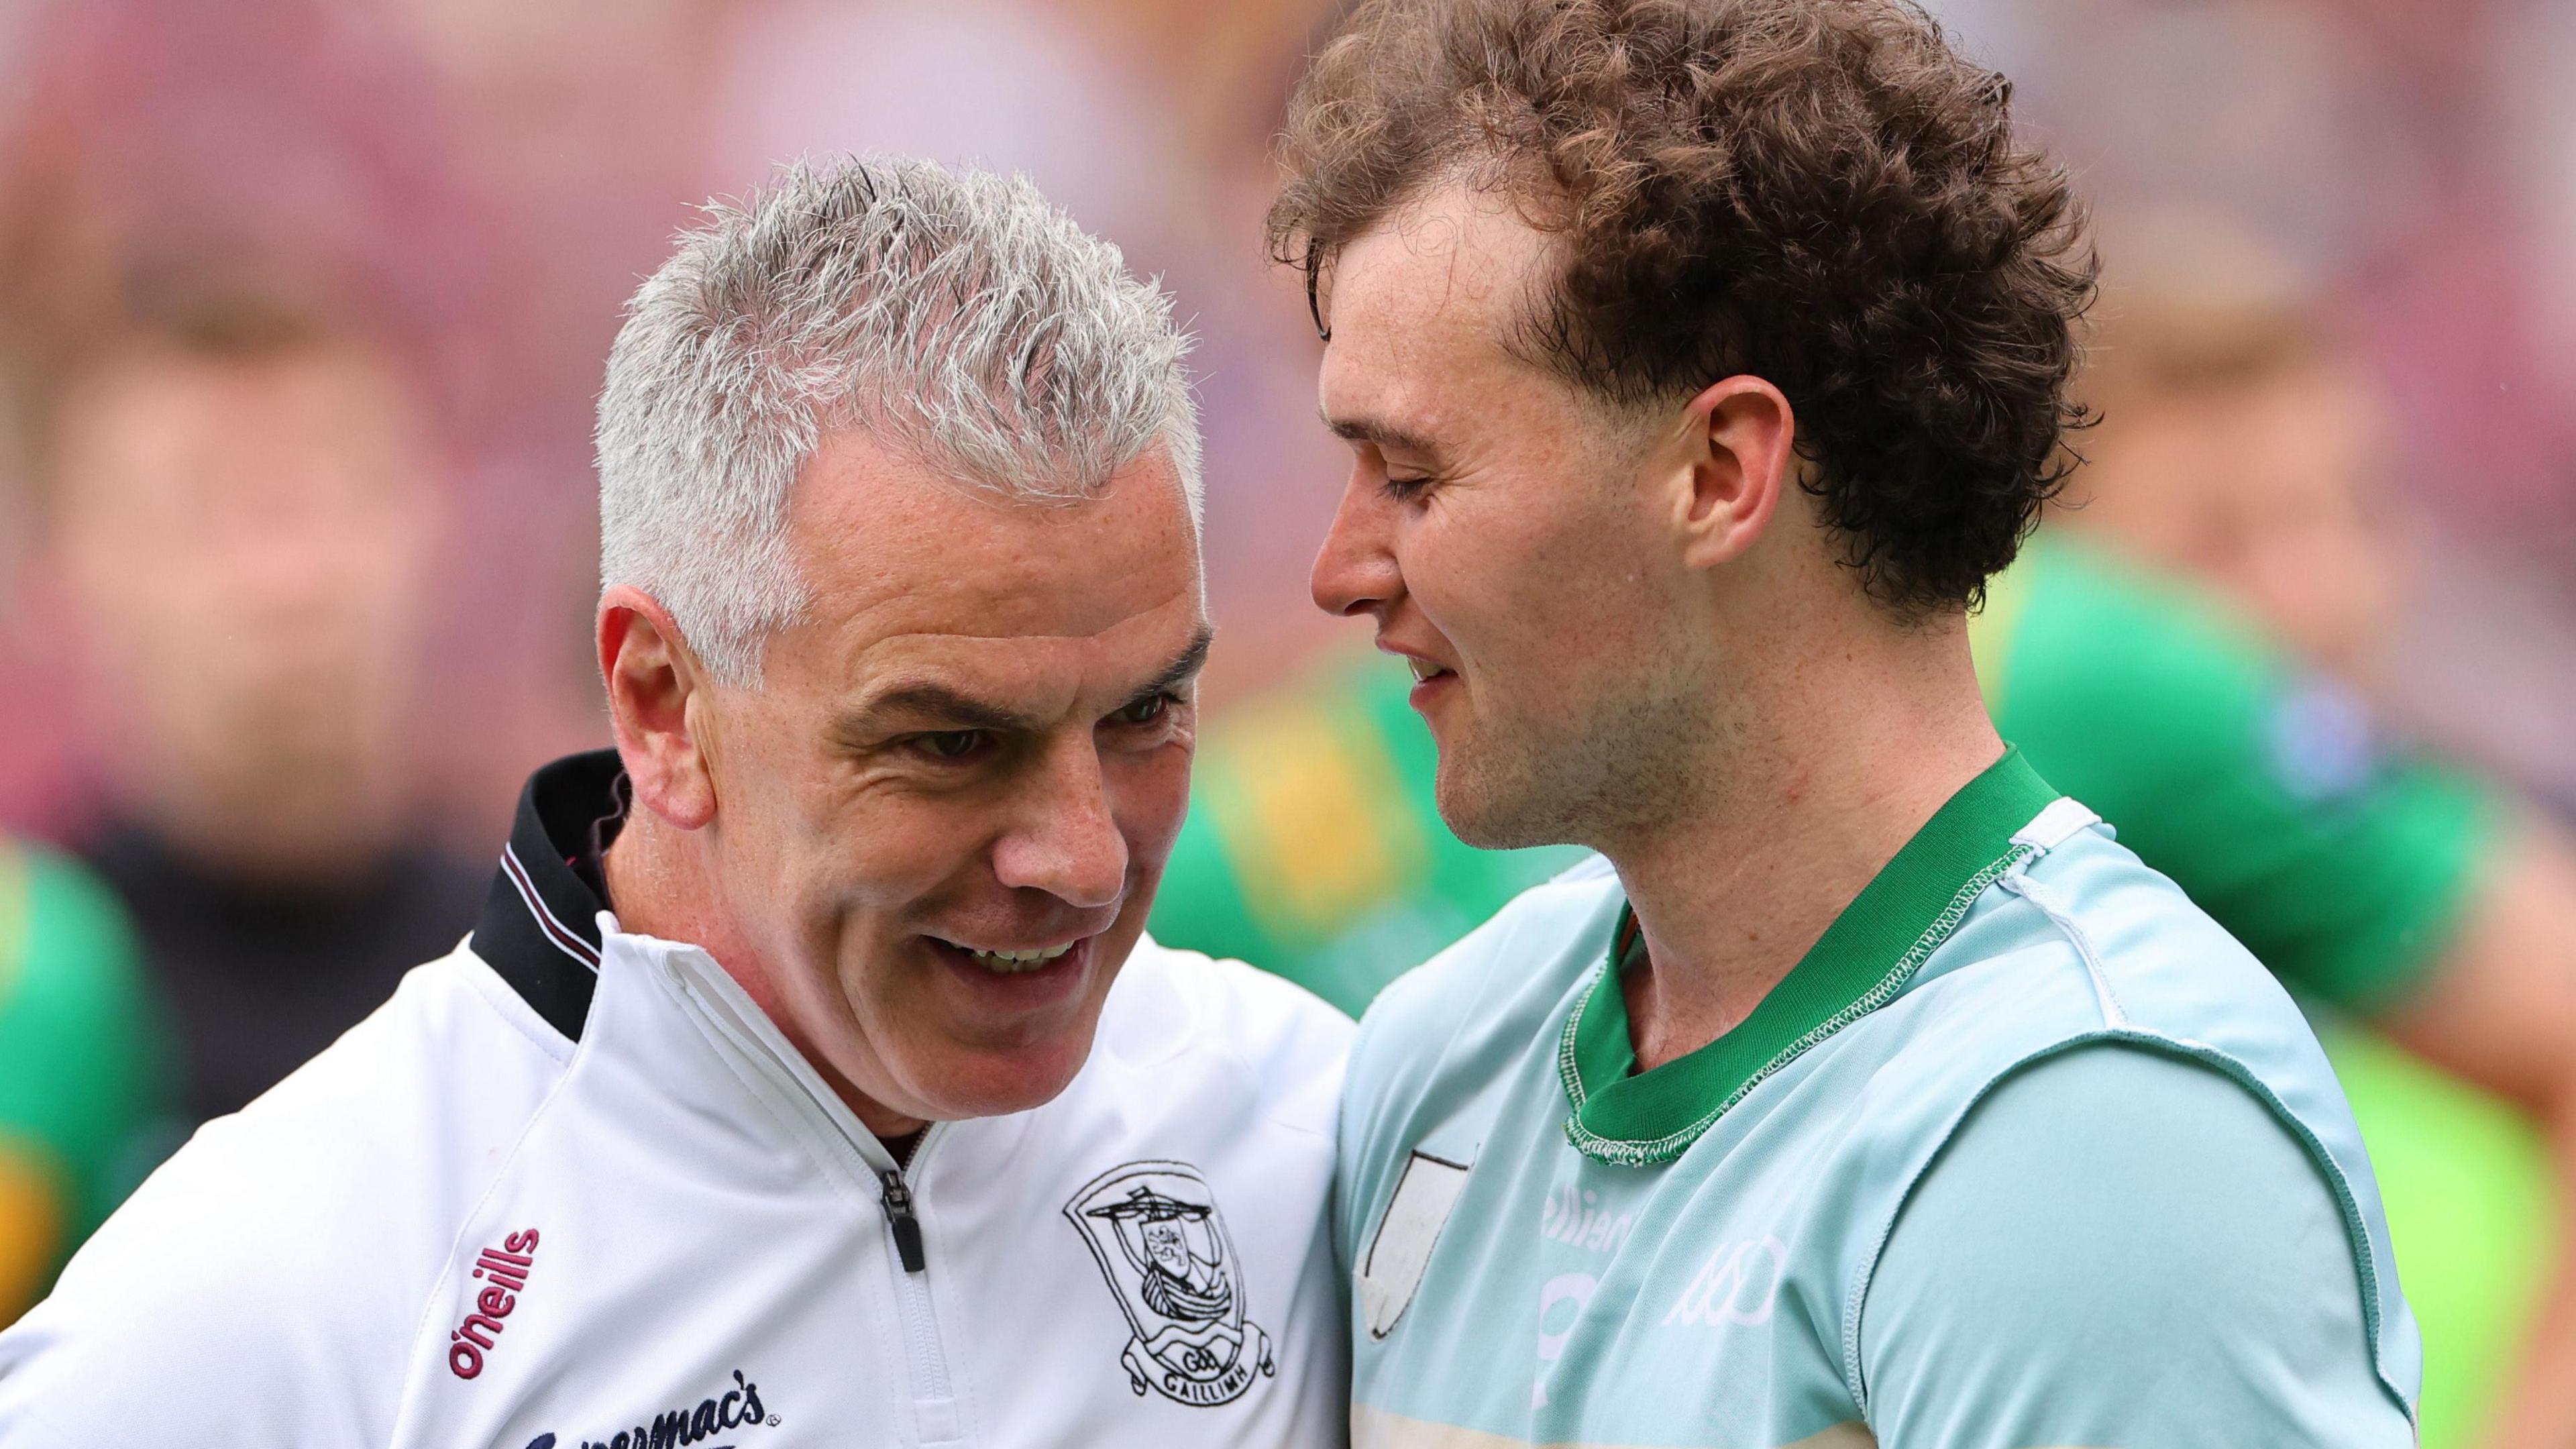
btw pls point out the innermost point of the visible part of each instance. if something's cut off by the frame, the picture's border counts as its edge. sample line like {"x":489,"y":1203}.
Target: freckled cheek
{"x":1481,"y":585}
{"x":1151,"y":798}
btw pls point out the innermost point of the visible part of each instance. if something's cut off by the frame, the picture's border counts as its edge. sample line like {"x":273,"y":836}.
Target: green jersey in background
{"x":80,"y":1079}
{"x":1314,"y":848}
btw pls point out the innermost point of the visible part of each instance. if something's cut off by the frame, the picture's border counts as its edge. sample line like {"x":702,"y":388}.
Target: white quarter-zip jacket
{"x":570,"y":1187}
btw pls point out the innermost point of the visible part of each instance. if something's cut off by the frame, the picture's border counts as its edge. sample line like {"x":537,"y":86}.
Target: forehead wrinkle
{"x":857,"y":628}
{"x":884,"y":548}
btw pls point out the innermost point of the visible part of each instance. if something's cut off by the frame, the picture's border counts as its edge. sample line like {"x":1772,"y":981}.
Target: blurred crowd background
{"x":303,"y":307}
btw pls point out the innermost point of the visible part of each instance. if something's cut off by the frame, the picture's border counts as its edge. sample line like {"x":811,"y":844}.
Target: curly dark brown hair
{"x":1818,"y":192}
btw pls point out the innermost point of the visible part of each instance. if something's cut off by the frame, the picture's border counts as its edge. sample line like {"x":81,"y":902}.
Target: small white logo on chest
{"x":1739,"y":1284}
{"x":1575,"y":1218}
{"x":1392,"y":1268}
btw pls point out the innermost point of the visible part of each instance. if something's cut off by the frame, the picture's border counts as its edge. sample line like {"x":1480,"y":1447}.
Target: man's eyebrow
{"x":939,"y":703}
{"x":950,"y":708}
{"x":1184,"y":666}
{"x":1374,"y":430}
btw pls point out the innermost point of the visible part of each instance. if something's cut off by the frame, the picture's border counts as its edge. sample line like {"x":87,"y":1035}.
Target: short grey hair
{"x":956,"y":316}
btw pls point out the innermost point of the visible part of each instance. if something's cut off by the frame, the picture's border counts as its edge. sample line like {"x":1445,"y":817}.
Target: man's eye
{"x":951,"y":744}
{"x":1405,"y":490}
{"x":1143,"y":711}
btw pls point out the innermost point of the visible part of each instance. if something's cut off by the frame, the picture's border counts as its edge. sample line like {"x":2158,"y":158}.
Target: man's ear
{"x":1737,"y":449}
{"x":654,"y":683}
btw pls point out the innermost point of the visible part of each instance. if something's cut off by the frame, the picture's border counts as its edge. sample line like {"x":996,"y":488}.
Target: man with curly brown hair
{"x":1701,"y":360}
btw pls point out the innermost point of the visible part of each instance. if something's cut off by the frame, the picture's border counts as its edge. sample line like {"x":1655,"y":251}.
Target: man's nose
{"x":1068,"y":844}
{"x":1355,"y":570}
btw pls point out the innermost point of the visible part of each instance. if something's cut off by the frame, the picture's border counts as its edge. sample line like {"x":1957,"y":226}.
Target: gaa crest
{"x":1162,"y":1245}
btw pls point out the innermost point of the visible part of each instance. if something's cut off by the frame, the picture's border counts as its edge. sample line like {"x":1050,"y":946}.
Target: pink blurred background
{"x":483,"y":181}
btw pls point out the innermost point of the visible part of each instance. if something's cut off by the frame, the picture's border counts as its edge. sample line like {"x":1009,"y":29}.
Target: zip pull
{"x":907,"y":1228}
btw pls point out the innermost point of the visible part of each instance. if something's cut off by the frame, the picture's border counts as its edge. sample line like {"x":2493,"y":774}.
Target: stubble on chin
{"x":1582,"y":782}
{"x":1505,"y":791}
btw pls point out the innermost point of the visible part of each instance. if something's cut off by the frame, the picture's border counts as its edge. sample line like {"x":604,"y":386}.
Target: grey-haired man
{"x":809,"y":1078}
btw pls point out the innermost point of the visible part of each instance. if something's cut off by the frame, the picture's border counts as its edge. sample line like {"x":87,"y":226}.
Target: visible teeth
{"x":1423,"y":669}
{"x":1012,"y":963}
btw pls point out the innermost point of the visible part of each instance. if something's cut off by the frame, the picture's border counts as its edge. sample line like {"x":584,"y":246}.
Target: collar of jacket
{"x":540,"y":924}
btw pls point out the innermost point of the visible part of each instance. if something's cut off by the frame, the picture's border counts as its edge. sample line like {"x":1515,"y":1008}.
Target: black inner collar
{"x":539,"y":929}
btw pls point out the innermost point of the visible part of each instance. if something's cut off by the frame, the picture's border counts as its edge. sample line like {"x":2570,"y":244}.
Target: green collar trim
{"x":1636,"y":1119}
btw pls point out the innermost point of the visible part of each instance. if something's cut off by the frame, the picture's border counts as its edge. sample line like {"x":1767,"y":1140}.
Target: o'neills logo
{"x":504,"y":1271}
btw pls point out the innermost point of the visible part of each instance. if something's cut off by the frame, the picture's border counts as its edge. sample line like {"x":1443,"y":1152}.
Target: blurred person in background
{"x":2247,"y":451}
{"x":2382,"y":885}
{"x":135,"y":128}
{"x":80,"y":1098}
{"x":307,"y":142}
{"x":2244,"y":444}
{"x":240,"y":500}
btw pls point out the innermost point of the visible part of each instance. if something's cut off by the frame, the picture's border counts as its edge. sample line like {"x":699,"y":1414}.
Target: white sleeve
{"x":266,"y":1285}
{"x":204,"y":1312}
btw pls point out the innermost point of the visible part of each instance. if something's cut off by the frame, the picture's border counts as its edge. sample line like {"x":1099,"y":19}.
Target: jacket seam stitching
{"x":424,"y":1322}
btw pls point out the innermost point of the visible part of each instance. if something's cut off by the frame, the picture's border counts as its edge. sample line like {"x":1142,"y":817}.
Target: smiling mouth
{"x":1424,"y":669}
{"x":1010,"y":963}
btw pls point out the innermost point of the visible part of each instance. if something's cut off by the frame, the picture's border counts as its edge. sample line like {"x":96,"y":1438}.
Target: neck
{"x":1840,"y":758}
{"x":659,"y":885}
